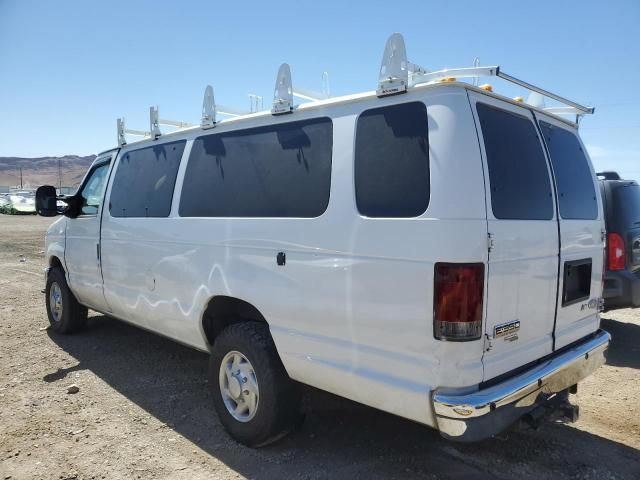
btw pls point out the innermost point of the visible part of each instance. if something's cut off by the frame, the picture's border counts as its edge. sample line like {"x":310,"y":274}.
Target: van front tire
{"x":255,"y":399}
{"x":65,"y":314}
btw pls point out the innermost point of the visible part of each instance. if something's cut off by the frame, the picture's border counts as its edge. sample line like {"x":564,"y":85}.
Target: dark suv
{"x":621,"y":200}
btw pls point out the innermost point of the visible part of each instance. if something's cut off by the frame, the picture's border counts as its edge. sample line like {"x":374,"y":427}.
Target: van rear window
{"x":576,"y":190}
{"x":144,"y":181}
{"x":627,"y":201}
{"x":392,"y":161}
{"x":518,"y":172}
{"x":279,"y":170}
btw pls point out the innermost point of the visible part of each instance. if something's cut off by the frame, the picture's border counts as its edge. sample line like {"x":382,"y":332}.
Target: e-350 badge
{"x":507,"y":330}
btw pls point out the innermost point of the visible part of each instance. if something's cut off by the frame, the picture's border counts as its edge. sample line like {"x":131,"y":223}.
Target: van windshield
{"x":627,"y":201}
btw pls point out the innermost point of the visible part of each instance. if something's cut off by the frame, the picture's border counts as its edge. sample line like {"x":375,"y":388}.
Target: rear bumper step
{"x":474,"y":416}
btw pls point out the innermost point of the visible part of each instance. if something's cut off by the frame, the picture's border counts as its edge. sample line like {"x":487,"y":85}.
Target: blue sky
{"x":68,"y":69}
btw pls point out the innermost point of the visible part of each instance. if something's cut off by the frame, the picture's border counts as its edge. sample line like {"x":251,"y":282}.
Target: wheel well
{"x":54,"y":262}
{"x":223,"y":311}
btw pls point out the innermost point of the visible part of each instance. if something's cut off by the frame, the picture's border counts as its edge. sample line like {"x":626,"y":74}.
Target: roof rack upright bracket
{"x":208,"y":109}
{"x":122,"y":139}
{"x":283,"y":94}
{"x":154,"y":122}
{"x":393,"y":77}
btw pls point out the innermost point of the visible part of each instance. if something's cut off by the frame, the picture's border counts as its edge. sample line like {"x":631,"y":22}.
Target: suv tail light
{"x":457,"y":306}
{"x":615,"y":252}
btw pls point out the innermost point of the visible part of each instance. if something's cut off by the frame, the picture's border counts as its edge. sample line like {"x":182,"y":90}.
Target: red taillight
{"x":615,"y":252}
{"x":457,"y":306}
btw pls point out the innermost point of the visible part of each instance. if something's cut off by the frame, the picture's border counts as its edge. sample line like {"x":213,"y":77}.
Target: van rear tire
{"x":255,"y":399}
{"x":65,"y":314}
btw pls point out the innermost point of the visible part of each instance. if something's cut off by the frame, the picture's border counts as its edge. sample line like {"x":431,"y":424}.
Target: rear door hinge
{"x":490,"y":242}
{"x":487,"y":342}
{"x":603,"y":235}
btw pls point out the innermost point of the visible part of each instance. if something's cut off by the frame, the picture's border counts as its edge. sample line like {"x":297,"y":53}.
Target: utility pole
{"x":20,"y":178}
{"x":59,"y":177}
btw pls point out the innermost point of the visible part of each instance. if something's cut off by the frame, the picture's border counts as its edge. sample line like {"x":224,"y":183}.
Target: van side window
{"x":576,"y":191}
{"x":273,"y":171}
{"x":144,"y":181}
{"x":392,"y":161}
{"x":518,"y":172}
{"x":93,"y":190}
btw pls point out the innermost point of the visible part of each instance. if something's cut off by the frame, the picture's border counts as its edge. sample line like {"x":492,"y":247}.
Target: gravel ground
{"x":144,"y":410}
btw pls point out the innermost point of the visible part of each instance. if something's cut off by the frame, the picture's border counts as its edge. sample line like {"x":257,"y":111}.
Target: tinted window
{"x":627,"y":202}
{"x":144,"y":181}
{"x":275,"y":171}
{"x":518,"y":173}
{"x":392,"y":161}
{"x":93,"y":190}
{"x":576,"y":190}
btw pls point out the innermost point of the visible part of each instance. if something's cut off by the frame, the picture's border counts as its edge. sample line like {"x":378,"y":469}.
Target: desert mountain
{"x":43,"y":170}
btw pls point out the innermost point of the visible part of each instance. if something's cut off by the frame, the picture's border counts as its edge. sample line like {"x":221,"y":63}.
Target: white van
{"x":431,"y":249}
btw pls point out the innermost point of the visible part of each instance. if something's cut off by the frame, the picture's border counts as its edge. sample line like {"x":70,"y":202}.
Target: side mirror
{"x":46,"y":201}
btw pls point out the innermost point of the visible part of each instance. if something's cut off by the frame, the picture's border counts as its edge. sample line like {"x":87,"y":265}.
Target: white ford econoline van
{"x":432,"y":249}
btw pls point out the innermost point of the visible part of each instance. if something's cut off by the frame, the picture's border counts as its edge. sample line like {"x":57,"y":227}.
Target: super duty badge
{"x":507,"y":330}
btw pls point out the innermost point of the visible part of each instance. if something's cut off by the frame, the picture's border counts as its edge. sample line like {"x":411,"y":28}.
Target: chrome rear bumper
{"x":483,"y":413}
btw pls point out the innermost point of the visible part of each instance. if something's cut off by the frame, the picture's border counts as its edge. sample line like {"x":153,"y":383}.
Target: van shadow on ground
{"x":339,"y":439}
{"x":625,"y":343}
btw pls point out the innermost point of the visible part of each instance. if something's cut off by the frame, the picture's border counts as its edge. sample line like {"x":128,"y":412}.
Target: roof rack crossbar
{"x":464,"y":72}
{"x":546,"y":93}
{"x":230,"y":111}
{"x":310,"y":95}
{"x":495,"y":71}
{"x":123,"y":132}
{"x":176,"y":123}
{"x":397,"y":74}
{"x":137,"y":133}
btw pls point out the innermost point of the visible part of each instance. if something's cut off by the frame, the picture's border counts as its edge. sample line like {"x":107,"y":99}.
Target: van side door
{"x":582,"y":232}
{"x":82,"y":247}
{"x":137,"y":236}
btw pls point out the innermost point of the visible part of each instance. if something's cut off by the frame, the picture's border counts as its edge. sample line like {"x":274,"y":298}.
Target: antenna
{"x":476,"y":64}
{"x":208,"y":109}
{"x":283,"y":94}
{"x":312,"y":95}
{"x":326,"y":90}
{"x":255,"y":103}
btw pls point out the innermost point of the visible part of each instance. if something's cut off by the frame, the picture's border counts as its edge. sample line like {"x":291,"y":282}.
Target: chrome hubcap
{"x":239,"y":386}
{"x":55,"y":302}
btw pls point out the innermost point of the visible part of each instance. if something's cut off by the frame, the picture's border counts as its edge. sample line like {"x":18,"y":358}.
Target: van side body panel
{"x":351,"y":310}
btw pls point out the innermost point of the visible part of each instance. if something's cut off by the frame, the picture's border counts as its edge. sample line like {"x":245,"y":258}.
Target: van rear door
{"x":523,"y":236}
{"x":582,"y":232}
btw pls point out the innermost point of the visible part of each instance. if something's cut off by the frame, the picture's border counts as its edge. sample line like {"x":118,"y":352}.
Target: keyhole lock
{"x":281,"y":258}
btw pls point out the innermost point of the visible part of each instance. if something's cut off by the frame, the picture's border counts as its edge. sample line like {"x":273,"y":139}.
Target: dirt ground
{"x":145,"y":411}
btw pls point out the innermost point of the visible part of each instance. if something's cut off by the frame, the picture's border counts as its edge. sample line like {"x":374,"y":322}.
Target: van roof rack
{"x":396,"y":76}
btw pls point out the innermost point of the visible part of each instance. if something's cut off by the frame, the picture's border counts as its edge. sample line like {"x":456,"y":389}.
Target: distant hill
{"x":43,"y":170}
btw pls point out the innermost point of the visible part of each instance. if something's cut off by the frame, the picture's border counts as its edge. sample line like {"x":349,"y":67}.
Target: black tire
{"x":278,"y":406}
{"x":73,"y":316}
